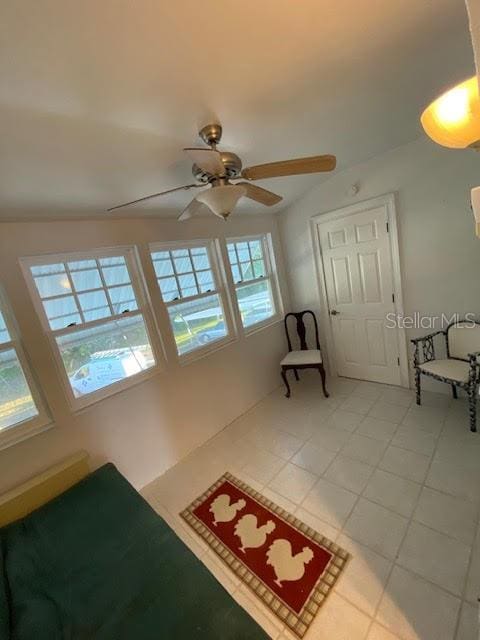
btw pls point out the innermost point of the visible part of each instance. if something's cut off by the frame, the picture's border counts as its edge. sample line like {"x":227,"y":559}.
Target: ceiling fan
{"x":217,"y":170}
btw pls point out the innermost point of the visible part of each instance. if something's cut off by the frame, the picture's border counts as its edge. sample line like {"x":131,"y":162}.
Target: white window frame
{"x":31,"y":426}
{"x":271,"y":275}
{"x":144,"y":311}
{"x":216,"y":264}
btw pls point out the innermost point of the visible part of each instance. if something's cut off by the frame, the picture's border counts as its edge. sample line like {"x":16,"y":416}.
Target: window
{"x":252,"y":275}
{"x":21,"y":409}
{"x":190,"y":286}
{"x":93,"y":309}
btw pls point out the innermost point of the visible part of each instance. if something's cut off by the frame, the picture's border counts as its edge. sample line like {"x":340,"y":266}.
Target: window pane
{"x":205,"y":280}
{"x":247,"y":271}
{"x":183,"y":265}
{"x":123,"y":299}
{"x":188,"y":285}
{"x":16,"y":402}
{"x":4,"y":335}
{"x":98,"y":357}
{"x":163,"y":268}
{"x":232,"y":254}
{"x":242,"y":250}
{"x":108,"y":262}
{"x":168,"y":287}
{"x":81,"y":264}
{"x":97,"y":314}
{"x":255,"y":302}
{"x":236,"y":273}
{"x":89,"y":279}
{"x":92,"y":300}
{"x":60,"y":307}
{"x":116,"y":275}
{"x":53,"y":285}
{"x":258,"y":269}
{"x":197,"y":323}
{"x":201,"y":261}
{"x":256,"y":249}
{"x":45,"y":269}
{"x":161,"y":255}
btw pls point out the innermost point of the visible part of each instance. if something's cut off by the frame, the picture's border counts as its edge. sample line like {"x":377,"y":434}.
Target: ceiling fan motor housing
{"x":232,"y":168}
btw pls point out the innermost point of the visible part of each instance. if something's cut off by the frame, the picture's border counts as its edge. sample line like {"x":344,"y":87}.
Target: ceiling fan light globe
{"x":223,"y":199}
{"x":453,"y":119}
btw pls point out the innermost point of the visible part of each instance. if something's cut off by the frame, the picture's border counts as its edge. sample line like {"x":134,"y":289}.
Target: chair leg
{"x":417,"y":386}
{"x":284,"y":378}
{"x":472,"y":407}
{"x":454,"y":391}
{"x":297,"y":377}
{"x":322,"y":373}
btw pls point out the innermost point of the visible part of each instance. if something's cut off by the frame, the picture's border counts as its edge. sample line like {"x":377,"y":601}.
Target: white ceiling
{"x":98,"y":98}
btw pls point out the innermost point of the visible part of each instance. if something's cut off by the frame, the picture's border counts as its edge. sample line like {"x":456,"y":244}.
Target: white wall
{"x":440,"y":255}
{"x":150,"y":426}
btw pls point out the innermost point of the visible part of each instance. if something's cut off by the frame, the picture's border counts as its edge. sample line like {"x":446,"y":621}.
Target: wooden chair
{"x":305,"y":358}
{"x":459,"y":369}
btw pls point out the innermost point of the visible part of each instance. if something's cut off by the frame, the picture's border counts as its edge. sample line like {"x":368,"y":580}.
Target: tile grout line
{"x":463,"y":597}
{"x":394,"y":563}
{"x":375,"y":467}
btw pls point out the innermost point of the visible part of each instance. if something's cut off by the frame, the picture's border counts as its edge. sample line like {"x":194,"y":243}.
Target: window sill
{"x":16,"y":434}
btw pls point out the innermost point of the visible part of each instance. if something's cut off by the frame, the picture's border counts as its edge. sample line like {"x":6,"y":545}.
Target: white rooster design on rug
{"x":223,"y":511}
{"x":251,"y":535}
{"x":285,"y":564}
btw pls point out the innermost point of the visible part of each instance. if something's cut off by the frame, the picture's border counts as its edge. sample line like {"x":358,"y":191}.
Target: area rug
{"x":290,"y":567}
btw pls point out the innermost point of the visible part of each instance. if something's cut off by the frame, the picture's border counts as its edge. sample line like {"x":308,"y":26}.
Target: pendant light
{"x":222,"y":200}
{"x":453,"y":119}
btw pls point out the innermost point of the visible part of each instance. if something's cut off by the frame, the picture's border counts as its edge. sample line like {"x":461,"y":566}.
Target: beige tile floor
{"x":396,"y":484}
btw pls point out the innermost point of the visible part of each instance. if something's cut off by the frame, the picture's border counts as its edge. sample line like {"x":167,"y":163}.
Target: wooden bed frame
{"x":32,"y":494}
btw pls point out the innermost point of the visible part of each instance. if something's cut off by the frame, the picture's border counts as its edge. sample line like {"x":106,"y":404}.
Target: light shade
{"x":222,"y":200}
{"x":453,"y":119}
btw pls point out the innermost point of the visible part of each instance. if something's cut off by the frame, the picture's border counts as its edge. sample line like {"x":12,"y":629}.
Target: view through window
{"x":93,"y":312}
{"x":189,"y":289}
{"x":16,"y":401}
{"x":251,"y":275}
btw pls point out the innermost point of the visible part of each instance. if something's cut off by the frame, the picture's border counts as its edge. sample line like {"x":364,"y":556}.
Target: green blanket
{"x":98,"y":562}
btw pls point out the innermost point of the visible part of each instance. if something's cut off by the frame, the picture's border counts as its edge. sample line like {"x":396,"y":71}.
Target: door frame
{"x":388,"y":202}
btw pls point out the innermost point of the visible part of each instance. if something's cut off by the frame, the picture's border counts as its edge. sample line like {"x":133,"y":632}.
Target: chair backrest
{"x":301,"y":329}
{"x":463,"y":337}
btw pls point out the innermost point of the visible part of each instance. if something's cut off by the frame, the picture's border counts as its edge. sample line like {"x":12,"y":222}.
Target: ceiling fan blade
{"x":313,"y":164}
{"x":190,"y":210}
{"x":156,"y":195}
{"x":268,"y":198}
{"x":207,"y":159}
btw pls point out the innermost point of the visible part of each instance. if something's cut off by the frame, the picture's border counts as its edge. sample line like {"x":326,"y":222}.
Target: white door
{"x":358,"y":272}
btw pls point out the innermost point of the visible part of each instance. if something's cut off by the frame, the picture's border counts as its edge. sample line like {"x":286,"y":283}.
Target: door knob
{"x":334,"y":312}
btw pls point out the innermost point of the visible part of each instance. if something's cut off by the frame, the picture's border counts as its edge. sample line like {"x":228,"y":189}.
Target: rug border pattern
{"x":298,"y":623}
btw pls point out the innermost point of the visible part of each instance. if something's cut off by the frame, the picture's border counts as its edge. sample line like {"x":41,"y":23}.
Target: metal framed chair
{"x":305,"y":358}
{"x":461,"y":366}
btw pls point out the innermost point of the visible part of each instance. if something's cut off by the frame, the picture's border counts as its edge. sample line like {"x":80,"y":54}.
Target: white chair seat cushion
{"x":451,"y":369}
{"x":309,"y":356}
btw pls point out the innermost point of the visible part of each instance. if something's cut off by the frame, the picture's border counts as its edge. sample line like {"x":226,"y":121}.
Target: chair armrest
{"x":428,"y":348}
{"x":474,"y":366}
{"x":415,"y":341}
